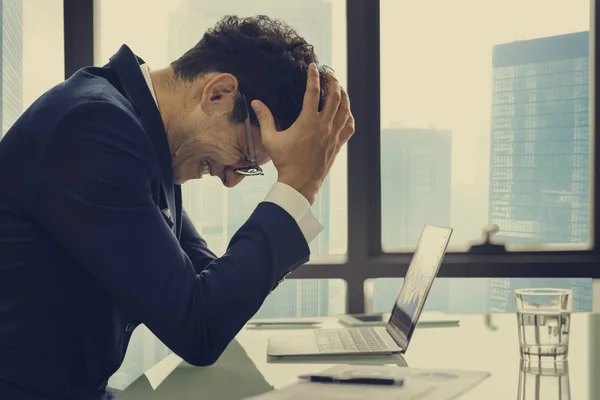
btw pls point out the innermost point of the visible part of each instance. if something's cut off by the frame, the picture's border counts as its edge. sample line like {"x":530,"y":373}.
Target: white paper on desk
{"x":421,"y":384}
{"x":159,"y":372}
{"x":329,"y":391}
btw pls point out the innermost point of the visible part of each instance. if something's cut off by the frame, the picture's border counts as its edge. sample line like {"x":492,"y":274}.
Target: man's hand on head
{"x":304,"y":153}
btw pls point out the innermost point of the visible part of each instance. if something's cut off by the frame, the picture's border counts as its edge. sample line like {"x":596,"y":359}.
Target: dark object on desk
{"x":356,"y":380}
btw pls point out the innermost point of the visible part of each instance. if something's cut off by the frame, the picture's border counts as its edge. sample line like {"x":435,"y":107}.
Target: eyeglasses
{"x":251,"y":168}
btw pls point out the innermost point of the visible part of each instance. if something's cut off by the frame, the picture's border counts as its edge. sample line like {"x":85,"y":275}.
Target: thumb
{"x":264,"y":116}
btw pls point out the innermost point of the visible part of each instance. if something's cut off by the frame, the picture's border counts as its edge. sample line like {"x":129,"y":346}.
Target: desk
{"x":474,"y":345}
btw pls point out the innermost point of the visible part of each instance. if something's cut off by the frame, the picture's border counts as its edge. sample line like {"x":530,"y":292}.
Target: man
{"x":93,"y":237}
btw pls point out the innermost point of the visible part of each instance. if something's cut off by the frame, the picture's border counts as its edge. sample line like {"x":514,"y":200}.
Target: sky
{"x":435,"y":68}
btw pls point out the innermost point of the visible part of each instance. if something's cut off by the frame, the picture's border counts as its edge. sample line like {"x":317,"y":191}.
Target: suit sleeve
{"x":194,"y":245}
{"x":93,"y":197}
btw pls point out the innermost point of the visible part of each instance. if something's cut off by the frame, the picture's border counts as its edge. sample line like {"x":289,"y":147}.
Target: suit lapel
{"x":127,"y":67}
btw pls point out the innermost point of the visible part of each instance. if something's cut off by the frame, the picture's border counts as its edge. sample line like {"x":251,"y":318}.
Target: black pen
{"x":360,"y":381}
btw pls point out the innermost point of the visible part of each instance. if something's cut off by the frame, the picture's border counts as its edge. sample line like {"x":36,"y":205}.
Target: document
{"x":233,"y":377}
{"x":328,"y":391}
{"x":159,"y":372}
{"x":421,"y":384}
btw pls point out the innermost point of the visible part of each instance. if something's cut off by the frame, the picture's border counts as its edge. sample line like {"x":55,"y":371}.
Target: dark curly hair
{"x":267,"y":56}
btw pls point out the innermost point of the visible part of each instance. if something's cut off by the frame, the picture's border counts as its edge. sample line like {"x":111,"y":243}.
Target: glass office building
{"x":416,"y":174}
{"x":539,"y":164}
{"x":11,"y":18}
{"x":415,"y":179}
{"x":218,"y":212}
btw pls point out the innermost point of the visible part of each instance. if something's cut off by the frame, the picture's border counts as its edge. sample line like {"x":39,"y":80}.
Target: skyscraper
{"x":539,"y":164}
{"x":218,"y":212}
{"x":539,"y":172}
{"x":415,"y":181}
{"x":11,"y":19}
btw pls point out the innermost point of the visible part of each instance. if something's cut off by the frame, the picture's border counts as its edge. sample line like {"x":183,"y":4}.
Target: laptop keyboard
{"x":349,"y":340}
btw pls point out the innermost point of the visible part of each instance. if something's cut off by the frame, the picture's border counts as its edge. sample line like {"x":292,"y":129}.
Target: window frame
{"x":365,"y":258}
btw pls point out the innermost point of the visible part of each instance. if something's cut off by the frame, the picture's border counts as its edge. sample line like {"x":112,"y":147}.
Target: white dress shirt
{"x":281,"y":194}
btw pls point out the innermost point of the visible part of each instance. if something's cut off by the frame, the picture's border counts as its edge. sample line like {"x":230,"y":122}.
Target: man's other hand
{"x":304,"y":153}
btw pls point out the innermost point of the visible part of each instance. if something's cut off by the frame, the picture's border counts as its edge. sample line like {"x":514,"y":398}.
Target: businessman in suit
{"x":93,"y":236}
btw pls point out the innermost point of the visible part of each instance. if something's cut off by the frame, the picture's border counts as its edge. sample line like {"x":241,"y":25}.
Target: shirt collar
{"x":146,"y":72}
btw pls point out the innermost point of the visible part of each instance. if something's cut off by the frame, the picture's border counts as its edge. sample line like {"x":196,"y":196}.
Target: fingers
{"x":342,"y":114}
{"x":334,"y":96}
{"x":264,"y":116}
{"x":313,"y":90}
{"x":348,"y":130}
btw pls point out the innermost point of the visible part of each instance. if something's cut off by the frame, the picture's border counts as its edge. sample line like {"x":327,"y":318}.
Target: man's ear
{"x":219,"y":92}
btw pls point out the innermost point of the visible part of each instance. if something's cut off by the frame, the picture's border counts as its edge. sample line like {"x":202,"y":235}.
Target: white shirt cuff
{"x":298,"y":207}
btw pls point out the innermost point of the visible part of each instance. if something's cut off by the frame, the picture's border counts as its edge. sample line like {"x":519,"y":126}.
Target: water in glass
{"x":544,"y":333}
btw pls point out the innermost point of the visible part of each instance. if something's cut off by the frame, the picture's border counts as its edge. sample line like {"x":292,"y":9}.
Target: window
{"x":31,"y":56}
{"x":478,"y":295}
{"x":482,"y":96}
{"x":483,"y":120}
{"x":166,"y":33}
{"x":167,"y":30}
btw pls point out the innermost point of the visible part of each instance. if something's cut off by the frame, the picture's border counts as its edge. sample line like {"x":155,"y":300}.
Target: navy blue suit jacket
{"x":87,"y":253}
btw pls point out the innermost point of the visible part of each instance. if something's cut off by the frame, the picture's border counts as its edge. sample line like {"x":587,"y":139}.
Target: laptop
{"x":395,"y":335}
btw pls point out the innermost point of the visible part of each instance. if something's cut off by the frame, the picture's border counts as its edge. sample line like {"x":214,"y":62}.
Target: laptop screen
{"x":421,"y":272}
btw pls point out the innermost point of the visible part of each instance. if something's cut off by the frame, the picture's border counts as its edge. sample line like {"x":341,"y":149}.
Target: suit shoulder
{"x":105,"y":126}
{"x":102,"y":112}
{"x":90,"y":88}
{"x":90,"y":99}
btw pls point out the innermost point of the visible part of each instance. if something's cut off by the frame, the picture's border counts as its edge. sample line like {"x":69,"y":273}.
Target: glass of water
{"x":544,"y":319}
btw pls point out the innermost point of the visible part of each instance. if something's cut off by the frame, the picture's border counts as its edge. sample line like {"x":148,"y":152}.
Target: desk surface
{"x":475,"y":345}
